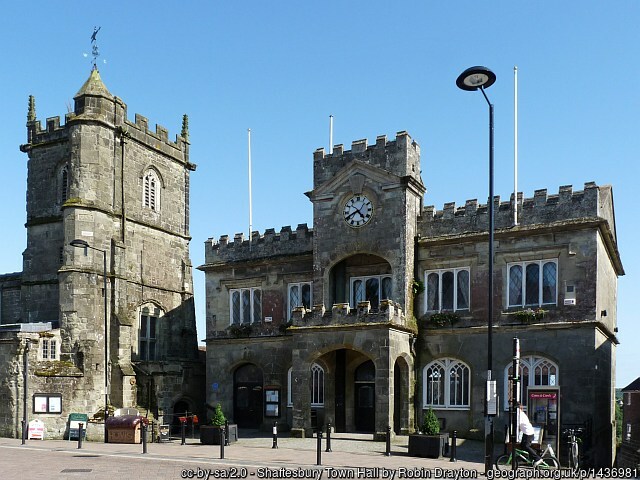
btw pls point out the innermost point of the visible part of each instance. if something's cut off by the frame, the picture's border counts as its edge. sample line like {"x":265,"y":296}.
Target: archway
{"x":361,"y":277}
{"x":247,"y":396}
{"x":400,"y":396}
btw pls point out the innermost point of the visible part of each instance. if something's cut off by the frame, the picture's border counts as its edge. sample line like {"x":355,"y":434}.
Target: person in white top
{"x":524,"y":425}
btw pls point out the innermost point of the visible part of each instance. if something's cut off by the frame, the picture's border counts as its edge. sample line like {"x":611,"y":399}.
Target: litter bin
{"x":125,"y":429}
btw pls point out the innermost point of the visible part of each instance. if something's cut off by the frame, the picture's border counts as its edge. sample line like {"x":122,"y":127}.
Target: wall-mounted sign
{"x":272,"y":402}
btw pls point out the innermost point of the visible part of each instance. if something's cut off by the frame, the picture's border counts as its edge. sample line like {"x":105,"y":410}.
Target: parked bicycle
{"x":549,"y":460}
{"x":572,"y":446}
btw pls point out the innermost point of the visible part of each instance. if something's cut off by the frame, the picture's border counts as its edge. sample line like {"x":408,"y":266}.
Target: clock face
{"x":358,"y":211}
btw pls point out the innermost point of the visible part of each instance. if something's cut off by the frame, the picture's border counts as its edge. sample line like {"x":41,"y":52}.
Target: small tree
{"x":218,"y":417}
{"x":430,"y":424}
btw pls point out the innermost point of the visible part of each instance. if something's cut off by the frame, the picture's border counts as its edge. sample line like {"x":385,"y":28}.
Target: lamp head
{"x":79,"y":243}
{"x":475,"y":78}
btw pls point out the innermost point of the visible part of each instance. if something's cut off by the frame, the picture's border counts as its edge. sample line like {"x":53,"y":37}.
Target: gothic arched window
{"x":446,"y":384}
{"x":151,"y":191}
{"x":533,"y":371}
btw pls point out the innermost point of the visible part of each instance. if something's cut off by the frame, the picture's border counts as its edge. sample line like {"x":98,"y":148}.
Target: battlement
{"x":287,"y":242}
{"x":400,"y":156}
{"x":540,"y":209}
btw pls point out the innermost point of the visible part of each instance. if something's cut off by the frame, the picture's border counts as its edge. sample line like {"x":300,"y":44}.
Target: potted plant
{"x":430,"y":443}
{"x":210,"y":434}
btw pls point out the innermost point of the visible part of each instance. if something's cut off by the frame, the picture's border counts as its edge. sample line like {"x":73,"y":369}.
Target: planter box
{"x":210,"y":434}
{"x":429,"y":446}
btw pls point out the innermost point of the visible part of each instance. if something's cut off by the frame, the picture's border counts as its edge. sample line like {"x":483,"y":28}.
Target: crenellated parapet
{"x":542,"y":208}
{"x":269,"y":244}
{"x":400,"y":157}
{"x":95,"y":105}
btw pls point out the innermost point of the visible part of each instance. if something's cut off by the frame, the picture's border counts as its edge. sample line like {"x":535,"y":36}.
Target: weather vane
{"x":94,"y":45}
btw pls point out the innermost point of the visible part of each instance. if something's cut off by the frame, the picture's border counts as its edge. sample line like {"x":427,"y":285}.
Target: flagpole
{"x":250,"y":199}
{"x":515,"y":145}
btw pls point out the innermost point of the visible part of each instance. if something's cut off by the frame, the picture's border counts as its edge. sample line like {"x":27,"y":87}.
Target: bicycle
{"x":572,"y":446}
{"x":549,"y":460}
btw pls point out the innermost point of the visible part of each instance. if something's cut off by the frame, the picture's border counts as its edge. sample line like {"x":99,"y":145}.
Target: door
{"x":247,"y":396}
{"x":365,"y":397}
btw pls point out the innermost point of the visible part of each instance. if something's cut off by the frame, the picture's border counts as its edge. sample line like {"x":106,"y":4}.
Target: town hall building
{"x":379,"y":312}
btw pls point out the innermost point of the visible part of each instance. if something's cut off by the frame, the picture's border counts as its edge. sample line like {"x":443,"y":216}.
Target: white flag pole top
{"x":330,"y":134}
{"x":250,"y":199}
{"x":515,"y":145}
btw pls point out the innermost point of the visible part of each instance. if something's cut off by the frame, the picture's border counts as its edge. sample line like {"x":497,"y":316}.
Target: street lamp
{"x":82,"y":244}
{"x":479,"y":78}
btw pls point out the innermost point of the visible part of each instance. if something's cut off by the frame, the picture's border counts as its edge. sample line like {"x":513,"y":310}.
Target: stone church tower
{"x":124,"y":190}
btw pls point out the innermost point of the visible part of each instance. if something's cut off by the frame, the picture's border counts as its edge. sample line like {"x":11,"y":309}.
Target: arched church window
{"x":534,"y":371}
{"x":151,"y":191}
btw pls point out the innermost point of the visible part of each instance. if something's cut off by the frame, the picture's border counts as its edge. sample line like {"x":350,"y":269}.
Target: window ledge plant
{"x":441,"y":319}
{"x":528,"y":315}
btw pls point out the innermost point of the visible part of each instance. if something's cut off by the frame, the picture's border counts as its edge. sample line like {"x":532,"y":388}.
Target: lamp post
{"x":479,"y":78}
{"x":83,"y":244}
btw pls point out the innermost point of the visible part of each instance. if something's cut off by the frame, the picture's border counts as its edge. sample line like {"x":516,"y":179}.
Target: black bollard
{"x":275,"y":435}
{"x":183,"y":428}
{"x":144,"y":437}
{"x":24,"y":432}
{"x":328,"y":438}
{"x":80,"y":425}
{"x":226,"y":433}
{"x":319,"y":455}
{"x":388,"y":451}
{"x":222,"y":442}
{"x":454,"y":444}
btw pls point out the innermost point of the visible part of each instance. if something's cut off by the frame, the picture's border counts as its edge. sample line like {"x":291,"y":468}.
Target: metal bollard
{"x":226,"y":433}
{"x":454,"y":444}
{"x":184,"y":432}
{"x":388,"y":451}
{"x":319,"y":455}
{"x":328,"y":438}
{"x":144,"y":437}
{"x":222,"y":442}
{"x":80,"y":425}
{"x":24,"y":431}
{"x":275,"y":435}
{"x":153,"y":430}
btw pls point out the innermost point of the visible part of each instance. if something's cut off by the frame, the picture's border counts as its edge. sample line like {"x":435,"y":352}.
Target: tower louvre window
{"x":151,"y":191}
{"x":64,"y":184}
{"x":147,"y":337}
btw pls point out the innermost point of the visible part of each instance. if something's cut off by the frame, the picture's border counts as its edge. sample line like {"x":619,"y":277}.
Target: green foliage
{"x":618,"y":423}
{"x":417,"y":287}
{"x":218,"y":417}
{"x":240,"y":330}
{"x":430,"y":424}
{"x":443,"y":318}
{"x":529,"y":315}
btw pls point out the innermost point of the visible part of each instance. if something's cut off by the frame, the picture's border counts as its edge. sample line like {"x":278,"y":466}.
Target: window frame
{"x":523,"y":288}
{"x":531,"y":362}
{"x":255,"y":306}
{"x":45,"y":349}
{"x":364,"y":278}
{"x":151,"y":190}
{"x":440,"y":272}
{"x":150,"y":342}
{"x":316,"y":393}
{"x":299,"y":285}
{"x":447,"y":365}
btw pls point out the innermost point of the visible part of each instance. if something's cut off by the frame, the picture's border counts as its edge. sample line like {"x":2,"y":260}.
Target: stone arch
{"x":363,"y":267}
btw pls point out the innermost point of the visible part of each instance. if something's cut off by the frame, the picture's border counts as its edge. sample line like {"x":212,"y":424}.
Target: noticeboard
{"x":272,"y":402}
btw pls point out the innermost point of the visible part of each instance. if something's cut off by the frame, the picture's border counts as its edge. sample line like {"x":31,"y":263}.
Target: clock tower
{"x":365,"y":207}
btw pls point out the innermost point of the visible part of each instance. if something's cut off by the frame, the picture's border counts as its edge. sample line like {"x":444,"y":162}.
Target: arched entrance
{"x":365,"y":397}
{"x":400,"y":396}
{"x":247,"y":396}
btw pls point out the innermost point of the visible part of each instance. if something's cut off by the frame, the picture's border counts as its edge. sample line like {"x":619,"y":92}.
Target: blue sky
{"x":282,"y":67}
